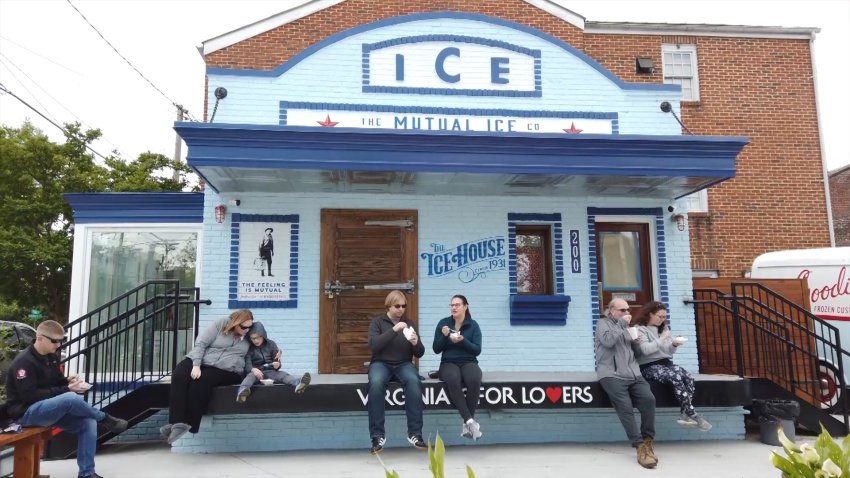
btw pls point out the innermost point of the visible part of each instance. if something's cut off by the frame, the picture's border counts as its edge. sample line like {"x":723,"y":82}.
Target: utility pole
{"x":178,"y":142}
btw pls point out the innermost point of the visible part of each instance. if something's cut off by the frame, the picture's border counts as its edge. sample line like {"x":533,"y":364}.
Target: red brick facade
{"x":759,"y":88}
{"x":839,"y":190}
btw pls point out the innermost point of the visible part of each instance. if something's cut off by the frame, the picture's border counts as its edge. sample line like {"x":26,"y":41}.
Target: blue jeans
{"x":380,"y":374}
{"x":72,"y":414}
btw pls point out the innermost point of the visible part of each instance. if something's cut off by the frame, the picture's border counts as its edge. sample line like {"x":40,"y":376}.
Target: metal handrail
{"x":134,"y":339}
{"x":772,"y":338}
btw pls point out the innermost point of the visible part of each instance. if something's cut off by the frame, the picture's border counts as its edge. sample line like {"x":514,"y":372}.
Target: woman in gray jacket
{"x":656,"y":361}
{"x":218,"y":358}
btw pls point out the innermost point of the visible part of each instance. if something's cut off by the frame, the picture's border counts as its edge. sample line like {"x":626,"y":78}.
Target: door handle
{"x":335,"y":287}
{"x":405,"y":286}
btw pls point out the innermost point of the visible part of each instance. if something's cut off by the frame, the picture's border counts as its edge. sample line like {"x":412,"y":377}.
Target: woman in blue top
{"x":458,"y":339}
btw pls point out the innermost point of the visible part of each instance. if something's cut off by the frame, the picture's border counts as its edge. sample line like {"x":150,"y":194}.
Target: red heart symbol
{"x":554,"y":394}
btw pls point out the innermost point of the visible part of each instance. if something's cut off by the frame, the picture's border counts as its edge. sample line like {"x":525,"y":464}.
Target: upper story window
{"x":698,"y":201}
{"x":680,"y":68}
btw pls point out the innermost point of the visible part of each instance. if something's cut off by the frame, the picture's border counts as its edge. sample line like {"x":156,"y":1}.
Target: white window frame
{"x":697,"y":202}
{"x":690,"y":49}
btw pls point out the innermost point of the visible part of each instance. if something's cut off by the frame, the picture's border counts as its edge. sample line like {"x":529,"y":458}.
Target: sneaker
{"x":114,"y":425}
{"x":93,"y":475}
{"x":177,"y":431}
{"x":687,"y":421}
{"x":703,"y":424}
{"x":243,"y":394}
{"x":302,"y":384}
{"x":164,"y":431}
{"x":474,"y":429}
{"x":465,"y":431}
{"x":377,"y":445}
{"x":417,"y":442}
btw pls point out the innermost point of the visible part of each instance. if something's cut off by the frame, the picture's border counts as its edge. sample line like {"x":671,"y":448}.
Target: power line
{"x":7,"y":91}
{"x":114,"y":146}
{"x":40,"y":55}
{"x":174,"y":103}
{"x":11,"y":72}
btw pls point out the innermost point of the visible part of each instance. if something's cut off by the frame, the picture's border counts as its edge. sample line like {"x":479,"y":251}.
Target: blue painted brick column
{"x":349,"y":430}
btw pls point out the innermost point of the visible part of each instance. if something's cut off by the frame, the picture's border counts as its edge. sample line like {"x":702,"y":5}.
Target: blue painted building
{"x":442,"y":153}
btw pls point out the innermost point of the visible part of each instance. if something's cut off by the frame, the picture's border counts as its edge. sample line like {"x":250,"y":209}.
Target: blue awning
{"x":237,"y":157}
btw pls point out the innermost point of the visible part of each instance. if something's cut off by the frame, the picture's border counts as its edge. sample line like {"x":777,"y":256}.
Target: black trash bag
{"x":774,"y":410}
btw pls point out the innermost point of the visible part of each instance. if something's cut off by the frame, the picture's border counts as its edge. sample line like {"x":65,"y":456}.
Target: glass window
{"x":121,"y":261}
{"x":680,"y":68}
{"x":620,"y":261}
{"x":698,"y":201}
{"x":533,"y":260}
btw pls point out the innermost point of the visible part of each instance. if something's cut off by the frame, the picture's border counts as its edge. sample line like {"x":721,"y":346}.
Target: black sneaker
{"x":93,"y":475}
{"x":377,"y":445}
{"x":112,"y":424}
{"x":417,"y":442}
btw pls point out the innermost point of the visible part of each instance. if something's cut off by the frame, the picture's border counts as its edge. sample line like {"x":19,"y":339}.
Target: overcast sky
{"x":52,"y":59}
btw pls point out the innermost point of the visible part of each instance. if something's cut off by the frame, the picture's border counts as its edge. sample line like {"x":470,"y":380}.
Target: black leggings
{"x":189,"y":398}
{"x":456,"y":374}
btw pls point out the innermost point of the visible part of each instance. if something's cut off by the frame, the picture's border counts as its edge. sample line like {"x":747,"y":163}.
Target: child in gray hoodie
{"x":262,"y":362}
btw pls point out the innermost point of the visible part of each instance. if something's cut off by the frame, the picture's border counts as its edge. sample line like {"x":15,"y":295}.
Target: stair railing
{"x":755,"y":332}
{"x":134,"y":339}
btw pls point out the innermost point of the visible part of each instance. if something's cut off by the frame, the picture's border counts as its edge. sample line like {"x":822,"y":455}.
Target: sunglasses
{"x":54,"y":341}
{"x":400,"y":306}
{"x":623,"y":310}
{"x":245,"y":328}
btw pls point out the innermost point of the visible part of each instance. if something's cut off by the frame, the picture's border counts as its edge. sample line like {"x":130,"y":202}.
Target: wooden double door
{"x":365,"y":254}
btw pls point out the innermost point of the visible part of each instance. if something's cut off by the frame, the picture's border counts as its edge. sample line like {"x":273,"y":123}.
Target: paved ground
{"x":708,"y":459}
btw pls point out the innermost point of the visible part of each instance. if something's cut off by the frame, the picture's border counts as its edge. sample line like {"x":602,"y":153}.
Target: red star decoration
{"x":327,"y":122}
{"x":573,"y":129}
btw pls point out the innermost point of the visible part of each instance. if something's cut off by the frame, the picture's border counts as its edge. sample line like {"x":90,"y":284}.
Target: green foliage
{"x":436,"y":461}
{"x":36,"y":238}
{"x":11,"y":311}
{"x":826,"y":459}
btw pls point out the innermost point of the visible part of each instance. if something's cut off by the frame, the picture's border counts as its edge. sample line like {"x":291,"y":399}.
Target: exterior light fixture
{"x":644,"y":65}
{"x":220,"y":212}
{"x":680,"y":221}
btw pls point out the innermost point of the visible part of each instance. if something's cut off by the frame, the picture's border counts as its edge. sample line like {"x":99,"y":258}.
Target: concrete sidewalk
{"x":709,"y":459}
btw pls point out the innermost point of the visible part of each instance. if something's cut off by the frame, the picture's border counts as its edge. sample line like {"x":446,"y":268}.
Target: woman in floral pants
{"x":655,"y":359}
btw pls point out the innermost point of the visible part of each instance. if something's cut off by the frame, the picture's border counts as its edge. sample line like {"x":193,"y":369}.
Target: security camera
{"x":666,"y":107}
{"x":221,"y":93}
{"x":671,"y":208}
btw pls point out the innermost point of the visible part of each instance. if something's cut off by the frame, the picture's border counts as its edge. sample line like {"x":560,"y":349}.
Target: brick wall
{"x":758,"y":88}
{"x":761,"y":89}
{"x":839,"y":190}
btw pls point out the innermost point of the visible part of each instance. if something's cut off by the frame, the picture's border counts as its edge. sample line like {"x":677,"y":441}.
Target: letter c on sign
{"x":439,"y":65}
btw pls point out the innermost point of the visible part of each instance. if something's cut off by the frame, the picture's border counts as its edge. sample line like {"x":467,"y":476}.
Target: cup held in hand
{"x":408,"y":332}
{"x":633,"y":332}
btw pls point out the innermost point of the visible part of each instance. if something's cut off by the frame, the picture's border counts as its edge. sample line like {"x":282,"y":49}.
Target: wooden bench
{"x":28,"y":444}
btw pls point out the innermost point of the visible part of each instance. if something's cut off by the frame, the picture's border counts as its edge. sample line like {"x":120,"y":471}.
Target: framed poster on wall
{"x":263,"y":261}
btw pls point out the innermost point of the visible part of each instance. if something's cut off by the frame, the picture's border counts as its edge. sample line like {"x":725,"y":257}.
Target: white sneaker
{"x":475,"y":429}
{"x":703,"y":424}
{"x":465,"y":431}
{"x":687,"y":421}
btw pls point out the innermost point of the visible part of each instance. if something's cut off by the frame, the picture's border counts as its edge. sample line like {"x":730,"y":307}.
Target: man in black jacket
{"x":394,"y":342}
{"x":39,"y":395}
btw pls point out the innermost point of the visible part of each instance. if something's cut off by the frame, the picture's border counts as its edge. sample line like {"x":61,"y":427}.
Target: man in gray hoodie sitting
{"x":619,"y":374}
